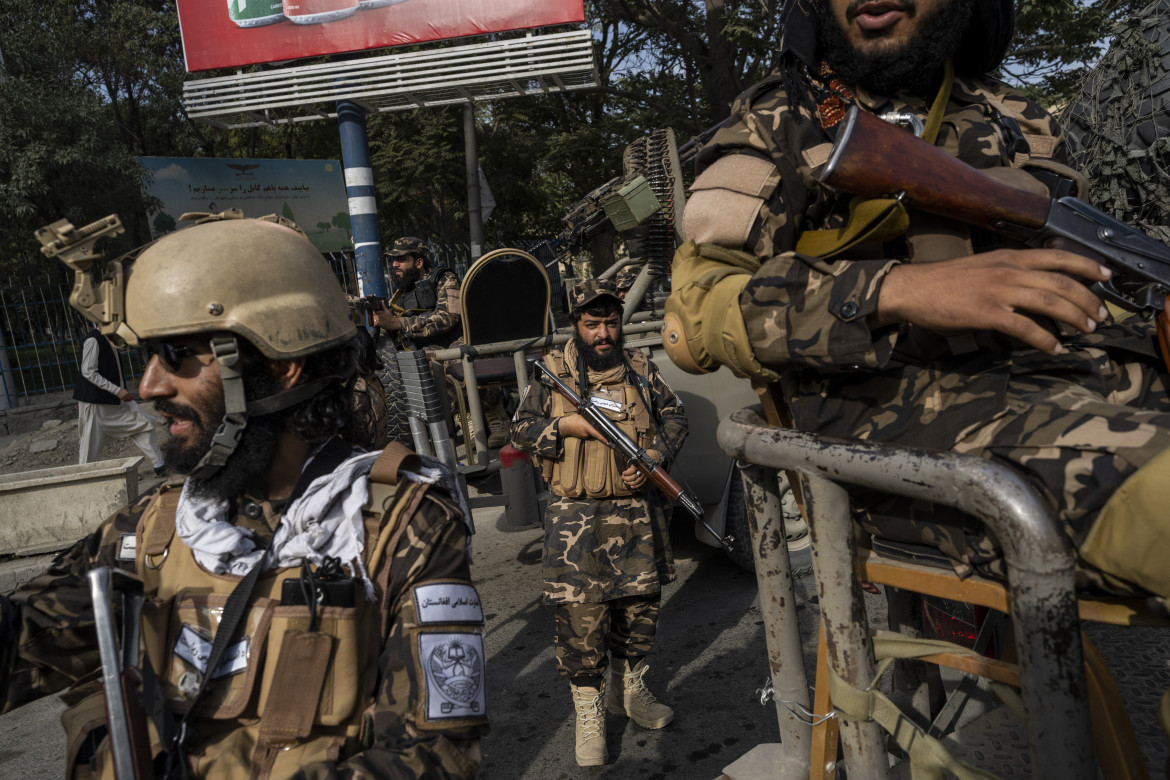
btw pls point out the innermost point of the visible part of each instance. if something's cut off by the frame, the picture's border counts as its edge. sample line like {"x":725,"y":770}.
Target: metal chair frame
{"x":1040,"y":592}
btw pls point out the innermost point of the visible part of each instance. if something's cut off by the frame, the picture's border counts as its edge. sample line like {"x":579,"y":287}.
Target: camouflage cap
{"x":625,"y":277}
{"x":590,"y":290}
{"x":408,"y":245}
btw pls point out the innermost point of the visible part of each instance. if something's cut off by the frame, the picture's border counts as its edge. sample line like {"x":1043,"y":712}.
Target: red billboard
{"x":230,"y":33}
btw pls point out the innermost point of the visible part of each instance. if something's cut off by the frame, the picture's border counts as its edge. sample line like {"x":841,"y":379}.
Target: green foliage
{"x":1057,"y":41}
{"x":88,"y":86}
{"x":164,"y":223}
{"x":419,"y":173}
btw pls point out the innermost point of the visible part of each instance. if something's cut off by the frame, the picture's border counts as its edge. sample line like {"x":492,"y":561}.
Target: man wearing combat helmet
{"x":607,"y":550}
{"x":332,"y":554}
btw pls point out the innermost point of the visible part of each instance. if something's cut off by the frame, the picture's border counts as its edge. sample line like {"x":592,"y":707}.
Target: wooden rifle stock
{"x":875,"y":159}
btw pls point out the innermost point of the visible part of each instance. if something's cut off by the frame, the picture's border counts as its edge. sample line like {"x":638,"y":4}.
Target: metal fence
{"x":40,"y":341}
{"x":41,"y":334}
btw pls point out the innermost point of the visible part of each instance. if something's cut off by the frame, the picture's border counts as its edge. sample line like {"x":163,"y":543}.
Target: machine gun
{"x":373,"y":303}
{"x":634,"y":454}
{"x":874,"y":159}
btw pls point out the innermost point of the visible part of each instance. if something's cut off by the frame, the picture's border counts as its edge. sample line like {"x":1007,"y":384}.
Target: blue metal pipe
{"x":359,"y":188}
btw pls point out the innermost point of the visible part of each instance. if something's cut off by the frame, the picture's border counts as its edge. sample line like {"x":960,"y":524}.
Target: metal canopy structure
{"x":532,"y":65}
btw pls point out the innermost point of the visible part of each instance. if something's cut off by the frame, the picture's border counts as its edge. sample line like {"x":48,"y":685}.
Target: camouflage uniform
{"x":605,"y":560}
{"x":47,"y":641}
{"x":370,"y":412}
{"x":1076,"y":424}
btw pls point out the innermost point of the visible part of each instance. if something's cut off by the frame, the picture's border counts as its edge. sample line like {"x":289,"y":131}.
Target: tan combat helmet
{"x":227,"y":277}
{"x":254,"y":278}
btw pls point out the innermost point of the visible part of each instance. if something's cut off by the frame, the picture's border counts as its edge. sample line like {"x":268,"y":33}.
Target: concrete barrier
{"x":50,"y":509}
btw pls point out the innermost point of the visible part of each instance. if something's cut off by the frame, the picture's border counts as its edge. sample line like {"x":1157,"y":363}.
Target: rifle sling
{"x":876,"y":219}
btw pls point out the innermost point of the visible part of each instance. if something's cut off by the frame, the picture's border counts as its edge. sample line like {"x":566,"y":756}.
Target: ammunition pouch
{"x":283,"y":696}
{"x":589,"y":468}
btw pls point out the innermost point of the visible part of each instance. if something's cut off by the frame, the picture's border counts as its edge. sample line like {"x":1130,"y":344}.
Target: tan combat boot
{"x":590,"y":726}
{"x":628,"y":695}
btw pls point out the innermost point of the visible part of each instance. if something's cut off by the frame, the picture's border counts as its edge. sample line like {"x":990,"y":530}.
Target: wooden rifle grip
{"x":1162,"y":321}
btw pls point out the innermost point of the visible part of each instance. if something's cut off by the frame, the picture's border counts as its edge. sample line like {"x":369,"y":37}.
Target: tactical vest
{"x":284,"y":697}
{"x":423,"y":298}
{"x":107,"y":367}
{"x":589,"y":468}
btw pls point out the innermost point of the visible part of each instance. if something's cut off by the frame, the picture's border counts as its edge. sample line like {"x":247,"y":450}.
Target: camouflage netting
{"x":1119,"y":128}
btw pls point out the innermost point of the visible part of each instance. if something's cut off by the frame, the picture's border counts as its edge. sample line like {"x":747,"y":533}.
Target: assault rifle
{"x":372,"y":303}
{"x":634,"y":454}
{"x":874,"y":159}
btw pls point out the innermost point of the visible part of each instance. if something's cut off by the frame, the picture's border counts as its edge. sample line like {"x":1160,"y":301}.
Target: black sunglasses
{"x":172,"y":355}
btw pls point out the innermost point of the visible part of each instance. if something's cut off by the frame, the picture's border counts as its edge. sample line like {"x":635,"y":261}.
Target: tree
{"x":88,"y":86}
{"x":1057,"y":41}
{"x":164,"y":223}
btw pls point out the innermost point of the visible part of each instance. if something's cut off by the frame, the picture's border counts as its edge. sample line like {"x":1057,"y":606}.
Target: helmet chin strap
{"x":237,"y":410}
{"x":235,"y":417}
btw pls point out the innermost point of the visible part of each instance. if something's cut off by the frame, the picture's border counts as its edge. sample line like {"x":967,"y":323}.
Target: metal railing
{"x":1040,"y":579}
{"x":40,"y":341}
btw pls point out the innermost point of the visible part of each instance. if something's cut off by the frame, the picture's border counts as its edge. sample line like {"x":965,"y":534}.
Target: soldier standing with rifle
{"x":899,"y":326}
{"x":607,"y":549}
{"x":290,"y":626}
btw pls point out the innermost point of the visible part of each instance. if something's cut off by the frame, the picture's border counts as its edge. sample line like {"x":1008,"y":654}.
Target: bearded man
{"x":325,"y":556}
{"x":606,"y":550}
{"x":430,"y":298}
{"x":943,"y":336}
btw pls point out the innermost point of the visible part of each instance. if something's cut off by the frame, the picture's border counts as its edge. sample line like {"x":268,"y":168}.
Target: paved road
{"x":709,"y":663}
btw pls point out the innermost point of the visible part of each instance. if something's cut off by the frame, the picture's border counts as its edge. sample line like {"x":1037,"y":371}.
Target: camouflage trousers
{"x":624,"y":627}
{"x":1076,"y":439}
{"x":601,"y":550}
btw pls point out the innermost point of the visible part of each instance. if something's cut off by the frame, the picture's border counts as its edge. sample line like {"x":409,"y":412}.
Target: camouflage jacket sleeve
{"x":47,"y":641}
{"x":671,"y":431}
{"x":411,"y":737}
{"x":368,"y":425}
{"x":532,"y":430}
{"x":757,"y":194}
{"x":443,"y":317}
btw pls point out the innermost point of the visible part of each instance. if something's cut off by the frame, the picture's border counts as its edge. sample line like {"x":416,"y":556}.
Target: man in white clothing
{"x":105,"y":407}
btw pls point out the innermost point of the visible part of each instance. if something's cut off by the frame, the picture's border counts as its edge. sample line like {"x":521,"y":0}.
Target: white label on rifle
{"x":194,"y":648}
{"x":606,"y":404}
